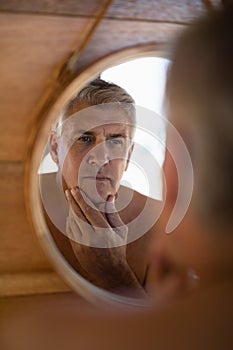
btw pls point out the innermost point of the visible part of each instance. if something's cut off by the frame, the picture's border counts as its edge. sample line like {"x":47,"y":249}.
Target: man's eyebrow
{"x":85,"y":132}
{"x":117,"y":135}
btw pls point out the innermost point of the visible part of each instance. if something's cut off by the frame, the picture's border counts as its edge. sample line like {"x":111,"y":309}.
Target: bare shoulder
{"x":53,"y":200}
{"x":131,"y":204}
{"x":141,"y":214}
{"x":47,"y":178}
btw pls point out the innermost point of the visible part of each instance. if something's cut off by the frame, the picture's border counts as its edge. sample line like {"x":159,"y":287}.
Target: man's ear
{"x":53,"y":147}
{"x":129,"y":156}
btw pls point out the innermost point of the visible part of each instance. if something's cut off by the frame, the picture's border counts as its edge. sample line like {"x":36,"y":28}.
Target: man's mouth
{"x":97,"y":178}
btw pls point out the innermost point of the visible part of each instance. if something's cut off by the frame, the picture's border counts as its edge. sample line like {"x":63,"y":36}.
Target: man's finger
{"x":113,"y":216}
{"x":94,"y":217}
{"x":75,"y":206}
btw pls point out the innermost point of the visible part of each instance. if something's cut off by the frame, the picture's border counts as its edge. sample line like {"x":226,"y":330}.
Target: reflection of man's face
{"x":93,"y":151}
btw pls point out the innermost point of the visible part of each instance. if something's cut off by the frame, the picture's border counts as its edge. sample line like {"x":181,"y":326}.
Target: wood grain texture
{"x":31,"y":46}
{"x":19,"y":248}
{"x":60,"y":7}
{"x":31,"y":283}
{"x":182,"y":11}
{"x":124,"y":34}
{"x":24,"y":268}
{"x":14,"y":305}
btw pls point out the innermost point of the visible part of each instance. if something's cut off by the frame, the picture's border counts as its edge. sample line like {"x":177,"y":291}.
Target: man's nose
{"x":98,"y":155}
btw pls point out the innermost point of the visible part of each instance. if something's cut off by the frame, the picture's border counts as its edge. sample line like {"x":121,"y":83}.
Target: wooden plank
{"x":14,"y":305}
{"x":59,"y":7}
{"x":31,"y":283}
{"x":20,"y":250}
{"x":182,"y":11}
{"x":31,"y":46}
{"x":125,"y":34}
{"x":177,"y":11}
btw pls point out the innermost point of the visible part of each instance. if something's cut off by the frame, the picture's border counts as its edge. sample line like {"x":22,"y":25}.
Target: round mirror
{"x":95,"y":180}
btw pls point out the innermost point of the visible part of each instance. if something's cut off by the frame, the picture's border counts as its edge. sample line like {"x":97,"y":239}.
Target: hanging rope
{"x":68,"y":68}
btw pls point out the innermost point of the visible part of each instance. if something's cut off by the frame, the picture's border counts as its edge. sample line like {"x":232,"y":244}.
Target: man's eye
{"x":116,"y":142}
{"x":85,"y":139}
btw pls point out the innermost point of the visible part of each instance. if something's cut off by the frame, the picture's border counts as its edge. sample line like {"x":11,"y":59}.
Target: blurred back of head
{"x":199,"y":99}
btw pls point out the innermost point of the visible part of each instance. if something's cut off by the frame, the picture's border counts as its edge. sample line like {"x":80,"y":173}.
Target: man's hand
{"x":99,"y":243}
{"x":89,"y":226}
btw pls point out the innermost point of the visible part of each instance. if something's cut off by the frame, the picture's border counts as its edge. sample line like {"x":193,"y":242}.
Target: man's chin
{"x":97,"y":193}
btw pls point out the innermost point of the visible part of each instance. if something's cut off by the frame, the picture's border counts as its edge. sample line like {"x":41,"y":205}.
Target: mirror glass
{"x":98,"y":177}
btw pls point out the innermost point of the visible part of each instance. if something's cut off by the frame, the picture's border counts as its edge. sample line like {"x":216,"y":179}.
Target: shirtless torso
{"x":137,"y":211}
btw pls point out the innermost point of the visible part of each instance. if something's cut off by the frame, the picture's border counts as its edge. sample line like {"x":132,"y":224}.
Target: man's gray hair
{"x":99,"y":92}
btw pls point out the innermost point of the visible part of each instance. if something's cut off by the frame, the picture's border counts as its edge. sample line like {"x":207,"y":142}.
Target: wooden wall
{"x":35,"y":36}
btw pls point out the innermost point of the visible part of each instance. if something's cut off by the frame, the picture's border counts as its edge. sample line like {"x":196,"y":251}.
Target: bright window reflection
{"x":144,"y":79}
